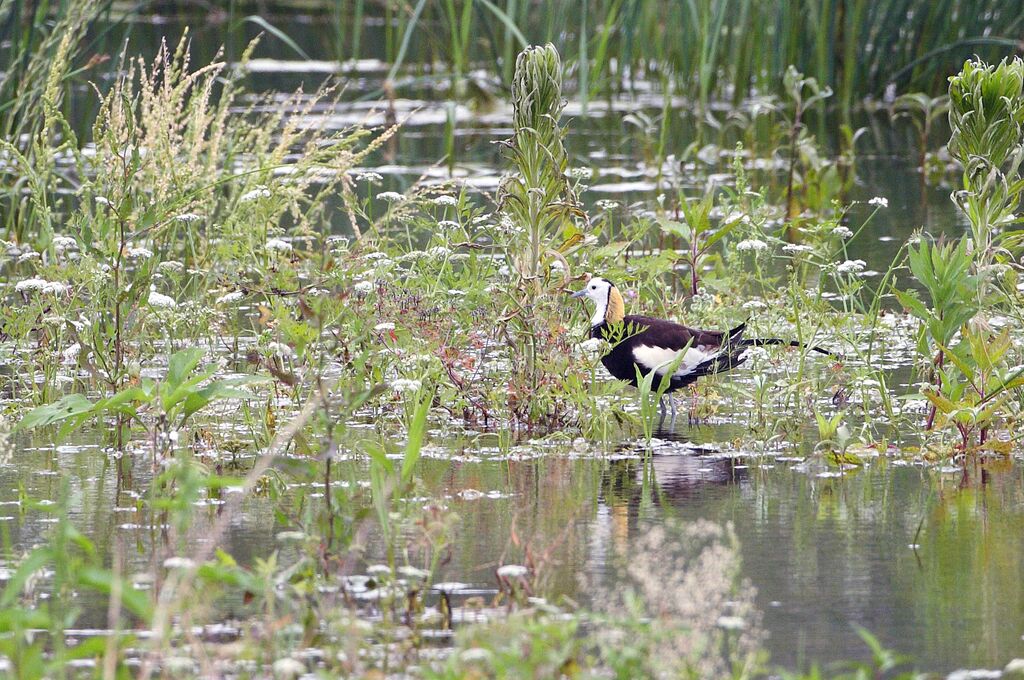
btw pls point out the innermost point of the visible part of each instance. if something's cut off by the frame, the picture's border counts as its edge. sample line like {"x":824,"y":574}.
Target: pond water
{"x":930,"y":560}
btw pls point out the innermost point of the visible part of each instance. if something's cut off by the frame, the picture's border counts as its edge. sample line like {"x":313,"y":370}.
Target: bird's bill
{"x":580,"y":293}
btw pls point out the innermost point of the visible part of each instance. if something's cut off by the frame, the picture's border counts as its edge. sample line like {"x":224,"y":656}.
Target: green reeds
{"x":717,"y":50}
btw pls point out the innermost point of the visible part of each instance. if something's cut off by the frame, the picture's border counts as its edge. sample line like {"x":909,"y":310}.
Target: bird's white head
{"x":609,"y":306}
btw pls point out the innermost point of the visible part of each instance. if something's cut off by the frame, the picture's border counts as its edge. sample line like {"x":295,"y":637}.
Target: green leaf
{"x":181,"y":364}
{"x":417,"y":428}
{"x":66,"y":407}
{"x":220,"y":389}
{"x":136,"y":601}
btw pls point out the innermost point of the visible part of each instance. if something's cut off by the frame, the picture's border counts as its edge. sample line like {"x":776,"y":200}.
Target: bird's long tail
{"x":761,"y":342}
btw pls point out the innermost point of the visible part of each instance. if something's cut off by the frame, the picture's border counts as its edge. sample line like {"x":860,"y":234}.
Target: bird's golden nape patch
{"x":616,"y":311}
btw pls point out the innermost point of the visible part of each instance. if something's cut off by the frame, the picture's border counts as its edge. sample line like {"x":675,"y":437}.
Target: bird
{"x":650,"y":344}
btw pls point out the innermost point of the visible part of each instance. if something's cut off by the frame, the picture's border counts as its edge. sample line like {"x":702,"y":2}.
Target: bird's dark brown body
{"x":645,"y":342}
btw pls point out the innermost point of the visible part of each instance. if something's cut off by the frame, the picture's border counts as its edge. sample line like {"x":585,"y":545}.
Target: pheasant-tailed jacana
{"x":654,"y":344}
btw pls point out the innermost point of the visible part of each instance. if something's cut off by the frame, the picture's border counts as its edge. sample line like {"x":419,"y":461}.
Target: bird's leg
{"x":661,"y":410}
{"x":672,"y":405}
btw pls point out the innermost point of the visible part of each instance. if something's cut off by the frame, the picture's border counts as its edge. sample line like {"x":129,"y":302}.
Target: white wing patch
{"x":648,"y":357}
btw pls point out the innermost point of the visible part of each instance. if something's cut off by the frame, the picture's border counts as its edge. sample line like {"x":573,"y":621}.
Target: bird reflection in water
{"x":673,"y":474}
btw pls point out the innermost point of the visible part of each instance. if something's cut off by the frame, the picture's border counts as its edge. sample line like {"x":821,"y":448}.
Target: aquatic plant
{"x":698,"y":231}
{"x":538,"y":197}
{"x":986,"y":116}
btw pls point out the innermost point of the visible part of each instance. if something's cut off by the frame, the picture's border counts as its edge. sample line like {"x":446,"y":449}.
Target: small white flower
{"x":731,"y":623}
{"x":606,"y":204}
{"x":188,"y":217}
{"x":371,"y":177}
{"x":379,"y":571}
{"x":851,"y":266}
{"x":447,"y":225}
{"x":390,"y":196}
{"x":63,"y":244}
{"x":580,"y":173}
{"x":754,"y":305}
{"x":363,"y":287}
{"x":30,"y":255}
{"x":160,"y":300}
{"x":288,"y":668}
{"x":279,"y":246}
{"x":255,"y":194}
{"x":879,"y":201}
{"x":475,"y":655}
{"x":41,"y":286}
{"x":754,"y":244}
{"x":842,"y":232}
{"x":171,"y":266}
{"x":592,"y":347}
{"x":509,"y":571}
{"x":455,"y":292}
{"x":797,"y":248}
{"x":406,"y":385}
{"x":279,"y":349}
{"x":413,"y":573}
{"x":233,"y":296}
{"x":386,"y":326}
{"x":178,"y":563}
{"x":103,"y":200}
{"x":70,"y":353}
{"x":138,"y":253}
{"x":439,"y":252}
{"x":445,"y":201}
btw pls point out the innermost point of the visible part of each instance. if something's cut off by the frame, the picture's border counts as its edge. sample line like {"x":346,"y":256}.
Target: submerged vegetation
{"x":217,"y":289}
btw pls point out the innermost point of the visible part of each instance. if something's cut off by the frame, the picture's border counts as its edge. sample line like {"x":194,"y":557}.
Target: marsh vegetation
{"x":290,"y":382}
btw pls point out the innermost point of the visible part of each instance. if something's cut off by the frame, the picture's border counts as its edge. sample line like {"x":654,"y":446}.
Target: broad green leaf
{"x":181,"y":364}
{"x":68,"y":406}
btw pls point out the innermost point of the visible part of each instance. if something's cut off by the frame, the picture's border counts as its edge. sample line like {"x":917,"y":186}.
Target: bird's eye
{"x":593,"y":286}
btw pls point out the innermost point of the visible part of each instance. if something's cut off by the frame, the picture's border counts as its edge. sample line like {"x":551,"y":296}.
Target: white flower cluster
{"x":851,"y":267}
{"x":797,"y":248}
{"x":188,"y":217}
{"x":385,"y":326}
{"x":363,"y":287}
{"x":279,"y":349}
{"x":278,"y":246}
{"x":233,"y":296}
{"x":879,"y":201}
{"x":171,"y":266}
{"x":371,"y":177}
{"x":62,"y":244}
{"x":390,"y":196}
{"x":255,"y":194}
{"x":580,"y":173}
{"x":754,"y":244}
{"x":37,"y":285}
{"x":401,"y":385}
{"x":160,"y":300}
{"x":592,"y":347}
{"x":447,"y":225}
{"x":445,"y":201}
{"x":842,"y":232}
{"x":607,"y":204}
{"x":138,"y":253}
